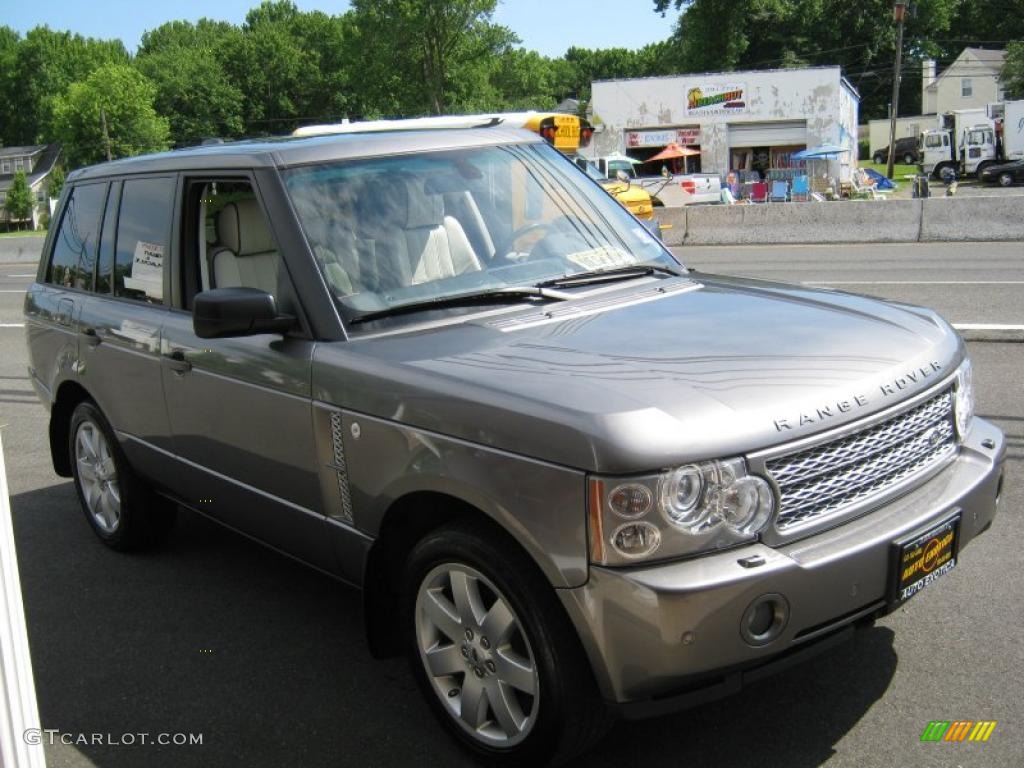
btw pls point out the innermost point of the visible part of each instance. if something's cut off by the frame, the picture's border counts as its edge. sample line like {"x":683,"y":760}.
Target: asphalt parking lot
{"x":215,"y":635}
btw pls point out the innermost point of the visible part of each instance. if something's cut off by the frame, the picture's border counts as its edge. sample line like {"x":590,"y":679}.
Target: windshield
{"x":403,"y":230}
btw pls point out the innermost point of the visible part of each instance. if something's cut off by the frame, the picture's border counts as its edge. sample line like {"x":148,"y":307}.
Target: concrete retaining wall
{"x":20,"y":249}
{"x":972,"y":218}
{"x":938,"y":219}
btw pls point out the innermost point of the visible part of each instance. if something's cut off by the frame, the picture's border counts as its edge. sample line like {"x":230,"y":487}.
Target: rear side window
{"x":143,"y":234}
{"x":74,"y":250}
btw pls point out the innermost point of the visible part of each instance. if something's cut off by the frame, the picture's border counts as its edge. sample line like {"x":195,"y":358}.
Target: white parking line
{"x":8,"y":291}
{"x":12,"y":325}
{"x":33,"y":274}
{"x":987,"y":327}
{"x":912,"y":282}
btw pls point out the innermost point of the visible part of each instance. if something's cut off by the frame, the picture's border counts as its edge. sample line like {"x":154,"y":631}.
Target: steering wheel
{"x":502,"y":251}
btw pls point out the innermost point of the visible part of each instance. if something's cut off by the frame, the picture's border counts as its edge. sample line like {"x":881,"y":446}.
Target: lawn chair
{"x":759,"y":192}
{"x":780,"y":192}
{"x":801,"y":191}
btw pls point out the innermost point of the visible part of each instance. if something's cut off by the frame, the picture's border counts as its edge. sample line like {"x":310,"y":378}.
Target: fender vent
{"x":339,"y":466}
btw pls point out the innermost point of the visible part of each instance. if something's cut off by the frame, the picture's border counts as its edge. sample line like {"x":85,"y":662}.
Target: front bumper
{"x":667,"y":635}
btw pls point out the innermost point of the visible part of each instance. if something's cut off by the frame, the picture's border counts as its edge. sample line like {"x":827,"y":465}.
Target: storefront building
{"x":739,"y":121}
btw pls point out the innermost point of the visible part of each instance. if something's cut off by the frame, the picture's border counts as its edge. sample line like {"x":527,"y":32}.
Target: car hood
{"x":653,"y":374}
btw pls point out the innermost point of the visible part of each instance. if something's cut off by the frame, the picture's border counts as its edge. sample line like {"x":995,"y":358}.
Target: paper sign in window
{"x":147,"y":273}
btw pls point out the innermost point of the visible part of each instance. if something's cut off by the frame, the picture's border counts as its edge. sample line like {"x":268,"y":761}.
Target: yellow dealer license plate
{"x":922,"y":558}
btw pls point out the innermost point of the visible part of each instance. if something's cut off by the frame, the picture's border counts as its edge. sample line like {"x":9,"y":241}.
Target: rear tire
{"x":1005,"y":179}
{"x":528,"y":693}
{"x":909,"y":159}
{"x":121,"y":510}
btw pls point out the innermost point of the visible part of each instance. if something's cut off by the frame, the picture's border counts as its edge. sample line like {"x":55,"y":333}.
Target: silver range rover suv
{"x":573,"y":478}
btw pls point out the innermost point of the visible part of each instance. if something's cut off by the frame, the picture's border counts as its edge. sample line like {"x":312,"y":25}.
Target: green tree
{"x":1013,"y":70}
{"x":119,"y":97}
{"x":19,"y":199}
{"x":46,"y":63}
{"x":55,"y":183}
{"x":9,"y":40}
{"x":268,"y":63}
{"x":193,"y":90}
{"x":427,"y":55}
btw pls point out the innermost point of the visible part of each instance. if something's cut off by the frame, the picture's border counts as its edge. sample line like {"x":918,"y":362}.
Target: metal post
{"x":106,"y":136}
{"x":898,"y":13}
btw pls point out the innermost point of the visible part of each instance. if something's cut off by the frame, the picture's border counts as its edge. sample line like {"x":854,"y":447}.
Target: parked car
{"x":1004,"y":174}
{"x":573,"y":477}
{"x":906,"y":152}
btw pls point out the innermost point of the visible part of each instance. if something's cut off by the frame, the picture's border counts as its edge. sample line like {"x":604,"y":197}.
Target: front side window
{"x":143,"y":238}
{"x":230,"y":240}
{"x":966,"y":87}
{"x":74,"y":250}
{"x":391,"y":231}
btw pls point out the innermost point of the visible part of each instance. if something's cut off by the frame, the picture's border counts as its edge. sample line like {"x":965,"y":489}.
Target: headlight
{"x":963,"y":398}
{"x":686,"y":510}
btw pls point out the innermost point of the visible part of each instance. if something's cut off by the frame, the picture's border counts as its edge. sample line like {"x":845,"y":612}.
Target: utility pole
{"x":899,"y":12}
{"x":106,"y":136}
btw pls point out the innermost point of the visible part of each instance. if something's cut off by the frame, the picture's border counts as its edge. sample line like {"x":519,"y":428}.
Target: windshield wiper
{"x":490,"y":296}
{"x":605,"y":275}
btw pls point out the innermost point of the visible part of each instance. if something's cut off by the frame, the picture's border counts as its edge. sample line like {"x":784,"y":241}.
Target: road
{"x":965,"y":282}
{"x":265,"y":658}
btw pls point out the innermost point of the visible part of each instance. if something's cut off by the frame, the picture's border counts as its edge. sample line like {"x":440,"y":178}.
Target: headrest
{"x":424,"y":210}
{"x":242,"y":228}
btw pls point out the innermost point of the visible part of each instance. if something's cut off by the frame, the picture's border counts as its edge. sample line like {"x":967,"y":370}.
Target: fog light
{"x":636,"y":539}
{"x":764,"y":619}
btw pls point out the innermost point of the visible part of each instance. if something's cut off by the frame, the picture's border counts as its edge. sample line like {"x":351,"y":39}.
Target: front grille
{"x":828,"y":479}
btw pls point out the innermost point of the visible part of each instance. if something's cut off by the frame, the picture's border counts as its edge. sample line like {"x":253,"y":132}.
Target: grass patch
{"x":25,"y":233}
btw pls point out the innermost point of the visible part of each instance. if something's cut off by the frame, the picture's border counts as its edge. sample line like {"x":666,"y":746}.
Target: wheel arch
{"x":407,"y":520}
{"x":69,"y":394}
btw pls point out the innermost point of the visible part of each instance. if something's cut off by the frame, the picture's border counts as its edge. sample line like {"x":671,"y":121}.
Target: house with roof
{"x":971,"y":81}
{"x":37,"y":161}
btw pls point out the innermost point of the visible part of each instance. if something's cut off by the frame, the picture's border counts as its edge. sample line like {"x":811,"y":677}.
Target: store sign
{"x":681,"y":136}
{"x":716,"y":99}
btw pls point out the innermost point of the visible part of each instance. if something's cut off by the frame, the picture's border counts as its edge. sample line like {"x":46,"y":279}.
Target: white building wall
{"x":815,"y":96}
{"x":948,"y":95}
{"x":878,"y":130}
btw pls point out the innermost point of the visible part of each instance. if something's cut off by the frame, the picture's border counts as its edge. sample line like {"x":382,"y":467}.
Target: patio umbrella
{"x":824,"y":152}
{"x":673,"y":150}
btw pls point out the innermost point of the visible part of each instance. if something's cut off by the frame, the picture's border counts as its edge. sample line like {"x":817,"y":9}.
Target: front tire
{"x":909,"y":159}
{"x":879,"y":158}
{"x":493,"y":651}
{"x":122,"y":511}
{"x":1005,"y":180}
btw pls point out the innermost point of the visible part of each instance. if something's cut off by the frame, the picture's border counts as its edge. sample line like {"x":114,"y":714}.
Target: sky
{"x":547,"y":26}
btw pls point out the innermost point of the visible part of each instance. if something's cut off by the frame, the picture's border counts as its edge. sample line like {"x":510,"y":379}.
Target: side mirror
{"x":224,"y":312}
{"x":622,"y":176}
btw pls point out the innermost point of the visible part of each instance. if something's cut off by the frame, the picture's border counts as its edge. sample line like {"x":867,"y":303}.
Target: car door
{"x":240,"y":408}
{"x":53,"y":304}
{"x":121,"y":322}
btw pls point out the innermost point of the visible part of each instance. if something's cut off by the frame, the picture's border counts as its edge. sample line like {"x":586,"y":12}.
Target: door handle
{"x":178,"y":363}
{"x":92,"y":337}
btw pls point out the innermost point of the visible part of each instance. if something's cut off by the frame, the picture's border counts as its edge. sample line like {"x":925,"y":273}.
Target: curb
{"x":990,"y":332}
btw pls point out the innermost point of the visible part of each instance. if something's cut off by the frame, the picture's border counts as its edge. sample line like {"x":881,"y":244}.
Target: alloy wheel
{"x":97,"y":475}
{"x":476,"y":655}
